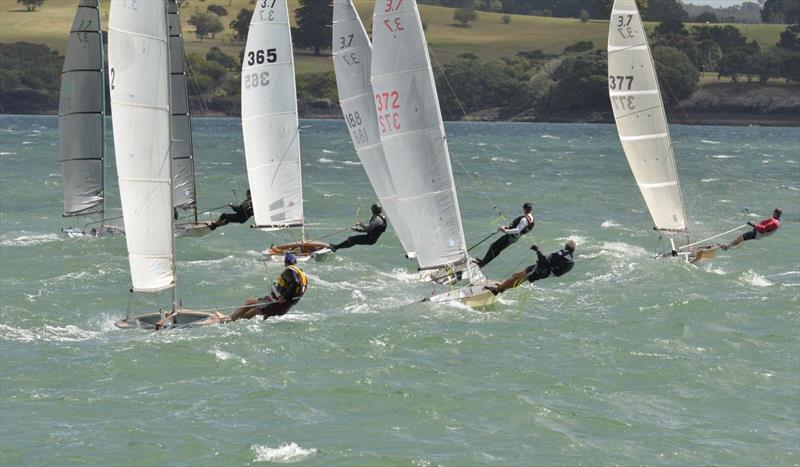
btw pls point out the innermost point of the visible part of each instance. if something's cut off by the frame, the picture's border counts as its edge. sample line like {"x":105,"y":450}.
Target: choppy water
{"x":624,"y":361}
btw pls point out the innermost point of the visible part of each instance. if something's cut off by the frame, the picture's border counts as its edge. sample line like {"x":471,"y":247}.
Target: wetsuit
{"x":519,"y":227}
{"x":372,"y":232}
{"x":291,"y":285}
{"x":558,"y":264}
{"x":241,"y":214}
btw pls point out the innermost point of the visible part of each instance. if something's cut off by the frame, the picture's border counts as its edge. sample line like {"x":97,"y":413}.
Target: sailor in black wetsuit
{"x":372,"y":230}
{"x":557,"y":264}
{"x":241,"y":213}
{"x":517,"y":228}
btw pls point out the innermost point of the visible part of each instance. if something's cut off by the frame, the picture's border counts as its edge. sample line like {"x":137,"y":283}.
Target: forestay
{"x":81,"y":111}
{"x":139,"y":80}
{"x":640,"y":117}
{"x":352,"y":56}
{"x":269,"y":119}
{"x":182,"y":150}
{"x":412,"y":133}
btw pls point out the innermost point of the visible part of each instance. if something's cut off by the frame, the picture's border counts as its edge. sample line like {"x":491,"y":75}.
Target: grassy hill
{"x":487,"y":38}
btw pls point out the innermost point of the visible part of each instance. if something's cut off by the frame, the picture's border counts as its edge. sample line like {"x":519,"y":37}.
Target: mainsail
{"x":352,"y":57}
{"x":640,"y":117}
{"x":182,"y":150}
{"x":81,"y":114}
{"x":269,"y":119}
{"x":138,"y":59}
{"x":412,"y":134}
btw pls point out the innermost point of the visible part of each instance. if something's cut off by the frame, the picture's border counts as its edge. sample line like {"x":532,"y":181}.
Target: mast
{"x":103,"y":119}
{"x":171,"y":165}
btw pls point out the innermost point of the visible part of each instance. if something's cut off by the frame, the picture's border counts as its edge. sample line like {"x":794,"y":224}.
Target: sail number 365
{"x":258,"y":57}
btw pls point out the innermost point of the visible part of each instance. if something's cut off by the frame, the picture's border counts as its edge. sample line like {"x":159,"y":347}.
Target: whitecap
{"x":609,"y":223}
{"x":7,"y":153}
{"x":284,"y":454}
{"x":503,"y":159}
{"x":755,"y":279}
{"x":624,"y":248}
{"x":708,"y":141}
{"x":709,"y":180}
{"x":208,"y":262}
{"x":30,"y":240}
{"x":325,"y":161}
{"x":221,"y":356}
{"x":723,"y":156}
{"x":47,"y":333}
{"x":351,"y":163}
{"x":27,"y":142}
{"x":325,"y":151}
{"x":550,"y":137}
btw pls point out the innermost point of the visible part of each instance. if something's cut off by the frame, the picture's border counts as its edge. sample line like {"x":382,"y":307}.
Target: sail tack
{"x":412,"y":134}
{"x":352,"y":58}
{"x":139,"y":80}
{"x":269,"y":119}
{"x":640,"y":117}
{"x":81,"y":112}
{"x":182,"y":148}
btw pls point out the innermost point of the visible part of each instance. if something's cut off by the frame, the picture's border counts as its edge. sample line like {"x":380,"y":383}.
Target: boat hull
{"x":104,"y":231}
{"x":182,"y":318}
{"x":473,"y":296}
{"x":196,"y":229}
{"x":304,"y":251}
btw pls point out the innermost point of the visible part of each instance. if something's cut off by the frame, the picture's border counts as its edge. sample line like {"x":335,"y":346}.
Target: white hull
{"x":104,"y":231}
{"x":319,"y":256}
{"x":199,"y":229}
{"x":182,"y":318}
{"x":473,"y":296}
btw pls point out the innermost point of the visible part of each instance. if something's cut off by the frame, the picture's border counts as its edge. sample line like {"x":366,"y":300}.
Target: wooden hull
{"x":473,"y":296}
{"x":304,"y":251}
{"x":198,"y":229}
{"x":182,"y":318}
{"x":104,"y":231}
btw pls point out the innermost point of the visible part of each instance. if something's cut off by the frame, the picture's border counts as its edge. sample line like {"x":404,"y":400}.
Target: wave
{"x":550,"y":137}
{"x":755,"y":279}
{"x":325,"y":160}
{"x":7,"y":153}
{"x":708,"y":141}
{"x":723,"y":156}
{"x":46,"y":333}
{"x":221,"y":356}
{"x":325,"y":151}
{"x":351,"y":163}
{"x":30,"y":240}
{"x":503,"y":159}
{"x":284,"y":454}
{"x":609,"y":223}
{"x":709,"y":180}
{"x":208,"y":262}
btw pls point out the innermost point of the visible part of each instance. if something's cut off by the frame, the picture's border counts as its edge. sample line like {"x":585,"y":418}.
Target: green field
{"x":487,"y":38}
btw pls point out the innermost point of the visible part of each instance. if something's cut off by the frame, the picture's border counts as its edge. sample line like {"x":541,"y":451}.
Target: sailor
{"x":241,"y":213}
{"x":517,"y":228}
{"x":765,"y":228}
{"x":371,"y":230}
{"x":286,"y":292}
{"x":557,"y":264}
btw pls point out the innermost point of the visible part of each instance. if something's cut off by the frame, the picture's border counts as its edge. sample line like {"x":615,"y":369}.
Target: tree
{"x":676,"y":71}
{"x":728,"y":37}
{"x":604,"y":7}
{"x":790,"y":38}
{"x":217,"y":10}
{"x":206,"y":24}
{"x":584,"y":16}
{"x":216,"y":55}
{"x":671,"y":26}
{"x":506,"y":19}
{"x":31,"y":5}
{"x":781,"y":11}
{"x":709,"y":55}
{"x":706,"y":17}
{"x":314,"y":18}
{"x":465,"y":16}
{"x":241,"y":24}
{"x":581,"y":82}
{"x":662,"y":10}
{"x":578,"y":47}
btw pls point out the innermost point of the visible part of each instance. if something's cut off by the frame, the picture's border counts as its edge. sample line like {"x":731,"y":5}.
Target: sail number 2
{"x":388,"y":106}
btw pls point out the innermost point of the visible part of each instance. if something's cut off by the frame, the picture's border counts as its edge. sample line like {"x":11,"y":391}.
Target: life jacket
{"x":768,"y":225}
{"x":283,"y":284}
{"x":527,"y":228}
{"x":560,"y":262}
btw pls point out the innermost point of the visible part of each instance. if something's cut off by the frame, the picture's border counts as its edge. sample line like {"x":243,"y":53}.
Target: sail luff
{"x":139,"y":80}
{"x":352,"y":58}
{"x":81,"y":114}
{"x":641,"y":119}
{"x":270,"y":124}
{"x":182,"y":148}
{"x":412,"y":133}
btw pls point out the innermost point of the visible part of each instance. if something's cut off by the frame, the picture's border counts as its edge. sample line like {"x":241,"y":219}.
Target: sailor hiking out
{"x":241,"y":213}
{"x":557,"y":264}
{"x":372,"y":230}
{"x":513,"y":231}
{"x":765,"y":228}
{"x":286,"y":292}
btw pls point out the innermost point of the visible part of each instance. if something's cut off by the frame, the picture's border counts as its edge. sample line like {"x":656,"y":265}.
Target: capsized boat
{"x":271,"y":131}
{"x":415,"y":147}
{"x":642,"y":125}
{"x":140,"y":101}
{"x":81,"y":124}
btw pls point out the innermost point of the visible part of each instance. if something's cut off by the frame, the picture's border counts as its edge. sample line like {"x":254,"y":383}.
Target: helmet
{"x":289,"y":259}
{"x":527,"y":207}
{"x":376,"y":209}
{"x":570,"y":245}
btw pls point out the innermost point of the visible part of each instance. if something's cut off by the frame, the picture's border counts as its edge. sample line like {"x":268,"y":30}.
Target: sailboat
{"x":184,"y":182}
{"x":352,"y":58}
{"x":81,"y":122}
{"x":271,"y":130}
{"x":140,"y":100}
{"x":414,"y":142}
{"x":642,"y":125}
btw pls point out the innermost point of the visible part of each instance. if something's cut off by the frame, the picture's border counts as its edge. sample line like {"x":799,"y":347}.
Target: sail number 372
{"x":388,"y":106}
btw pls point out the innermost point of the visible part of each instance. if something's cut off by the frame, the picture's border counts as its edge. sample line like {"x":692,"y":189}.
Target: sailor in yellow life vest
{"x":286,"y":292}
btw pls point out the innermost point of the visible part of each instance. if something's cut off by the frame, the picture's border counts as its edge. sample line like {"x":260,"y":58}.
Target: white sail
{"x":641,"y":121}
{"x":269,"y":119}
{"x":352,"y":57}
{"x":412,"y":134}
{"x":138,"y":59}
{"x":182,"y":149}
{"x":81,"y":112}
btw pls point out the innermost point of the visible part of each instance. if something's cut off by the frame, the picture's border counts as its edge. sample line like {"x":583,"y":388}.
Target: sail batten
{"x":640,"y":117}
{"x":269,"y":118}
{"x":140,"y":99}
{"x":81,"y":113}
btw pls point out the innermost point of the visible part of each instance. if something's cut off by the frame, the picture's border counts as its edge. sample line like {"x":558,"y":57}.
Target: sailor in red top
{"x":764,"y":228}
